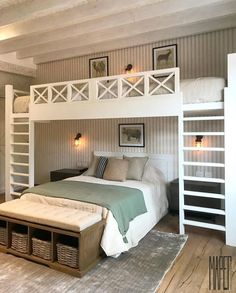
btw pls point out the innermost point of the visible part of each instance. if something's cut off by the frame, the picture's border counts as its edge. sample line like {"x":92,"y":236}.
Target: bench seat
{"x":56,"y":216}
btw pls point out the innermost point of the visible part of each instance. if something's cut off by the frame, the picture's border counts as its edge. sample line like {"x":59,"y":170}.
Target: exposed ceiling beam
{"x":170,"y":33}
{"x":178,"y":19}
{"x":94,"y":10}
{"x":127,"y":17}
{"x":31,"y":9}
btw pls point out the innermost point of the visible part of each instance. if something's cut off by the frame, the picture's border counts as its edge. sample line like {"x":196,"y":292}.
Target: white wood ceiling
{"x":56,"y":29}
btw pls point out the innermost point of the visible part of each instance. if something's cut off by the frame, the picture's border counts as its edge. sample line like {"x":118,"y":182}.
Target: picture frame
{"x":98,"y":67}
{"x":132,"y":135}
{"x":164,"y":57}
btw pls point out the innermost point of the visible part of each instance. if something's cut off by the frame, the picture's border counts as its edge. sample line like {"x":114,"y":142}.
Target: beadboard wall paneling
{"x":54,"y":145}
{"x":198,"y":55}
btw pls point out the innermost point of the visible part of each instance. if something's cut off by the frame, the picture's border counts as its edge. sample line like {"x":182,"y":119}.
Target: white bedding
{"x":112,"y":241}
{"x":21,"y":104}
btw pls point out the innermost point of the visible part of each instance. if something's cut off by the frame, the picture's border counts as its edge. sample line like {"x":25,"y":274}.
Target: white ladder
{"x":197,"y":111}
{"x":19,"y":149}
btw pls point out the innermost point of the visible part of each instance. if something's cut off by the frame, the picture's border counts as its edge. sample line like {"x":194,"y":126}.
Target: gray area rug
{"x":139,"y":270}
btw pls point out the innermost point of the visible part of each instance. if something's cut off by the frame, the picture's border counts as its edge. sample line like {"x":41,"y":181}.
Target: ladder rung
{"x":19,"y":174}
{"x":204,"y":194}
{"x":20,"y":123}
{"x":204,"y":133}
{"x":204,"y":225}
{"x":204,"y":210}
{"x":204,"y":118}
{"x":20,"y":154}
{"x":210,"y":149}
{"x":20,"y":164}
{"x":20,"y":115}
{"x":19,"y":184}
{"x":204,"y":179}
{"x":20,"y":133}
{"x":20,"y":143}
{"x":18,"y":194}
{"x":204,"y":164}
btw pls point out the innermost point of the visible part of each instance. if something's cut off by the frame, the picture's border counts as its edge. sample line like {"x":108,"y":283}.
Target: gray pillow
{"x":116,"y":169}
{"x":136,"y":167}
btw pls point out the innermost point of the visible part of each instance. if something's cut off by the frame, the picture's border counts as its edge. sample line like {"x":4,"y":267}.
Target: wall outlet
{"x":199,"y":173}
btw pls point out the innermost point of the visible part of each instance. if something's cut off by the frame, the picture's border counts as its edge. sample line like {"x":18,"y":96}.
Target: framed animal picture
{"x":164,"y":57}
{"x":98,"y":67}
{"x":131,"y":135}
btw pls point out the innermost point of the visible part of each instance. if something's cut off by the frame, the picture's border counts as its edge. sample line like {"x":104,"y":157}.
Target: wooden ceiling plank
{"x":158,"y":35}
{"x":124,"y":31}
{"x":32,"y":9}
{"x":94,"y":10}
{"x":127,"y":17}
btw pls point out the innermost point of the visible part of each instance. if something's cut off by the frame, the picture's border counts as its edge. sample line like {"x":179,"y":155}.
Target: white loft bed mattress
{"x":199,"y":90}
{"x":153,"y":188}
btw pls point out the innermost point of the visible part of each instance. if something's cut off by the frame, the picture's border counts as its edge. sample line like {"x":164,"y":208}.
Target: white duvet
{"x":153,"y":189}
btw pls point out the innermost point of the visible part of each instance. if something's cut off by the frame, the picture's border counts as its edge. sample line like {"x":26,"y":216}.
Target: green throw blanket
{"x":125,"y":203}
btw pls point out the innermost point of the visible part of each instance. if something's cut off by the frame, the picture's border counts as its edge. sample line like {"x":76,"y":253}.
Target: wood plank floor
{"x":189,"y":273}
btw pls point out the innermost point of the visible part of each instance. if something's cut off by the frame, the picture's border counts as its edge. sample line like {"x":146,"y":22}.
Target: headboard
{"x":165,"y":163}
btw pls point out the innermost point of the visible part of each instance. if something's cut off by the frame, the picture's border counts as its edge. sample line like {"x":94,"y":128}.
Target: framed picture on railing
{"x":164,"y":57}
{"x":98,"y":67}
{"x":131,"y":135}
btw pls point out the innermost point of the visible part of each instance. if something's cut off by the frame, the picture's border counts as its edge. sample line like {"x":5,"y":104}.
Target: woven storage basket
{"x":3,"y":235}
{"x":41,"y":248}
{"x":19,"y":242}
{"x":67,"y":255}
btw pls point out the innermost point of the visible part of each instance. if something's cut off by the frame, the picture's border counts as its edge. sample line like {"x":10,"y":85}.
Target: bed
{"x":199,"y":90}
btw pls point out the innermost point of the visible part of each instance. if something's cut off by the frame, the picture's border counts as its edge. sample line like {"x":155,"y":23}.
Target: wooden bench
{"x":86,"y":232}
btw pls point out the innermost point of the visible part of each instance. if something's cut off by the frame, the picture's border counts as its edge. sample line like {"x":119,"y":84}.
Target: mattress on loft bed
{"x":21,"y":104}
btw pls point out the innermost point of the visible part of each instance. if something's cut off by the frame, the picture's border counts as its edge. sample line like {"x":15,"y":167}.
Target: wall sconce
{"x":77,"y":139}
{"x":198,"y":141}
{"x":129,"y":69}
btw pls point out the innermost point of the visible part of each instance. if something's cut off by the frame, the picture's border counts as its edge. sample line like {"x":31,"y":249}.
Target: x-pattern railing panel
{"x":59,"y":94}
{"x":39,"y":97}
{"x":160,"y":84}
{"x":80,"y":92}
{"x":132,"y":86}
{"x":107,"y":87}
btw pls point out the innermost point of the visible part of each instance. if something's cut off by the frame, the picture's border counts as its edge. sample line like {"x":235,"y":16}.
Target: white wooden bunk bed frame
{"x":87,"y":99}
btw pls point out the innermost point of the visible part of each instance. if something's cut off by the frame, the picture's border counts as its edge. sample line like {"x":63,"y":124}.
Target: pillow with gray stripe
{"x":102,"y":163}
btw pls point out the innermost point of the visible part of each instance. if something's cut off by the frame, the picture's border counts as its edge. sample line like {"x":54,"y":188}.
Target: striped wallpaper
{"x":199,"y":55}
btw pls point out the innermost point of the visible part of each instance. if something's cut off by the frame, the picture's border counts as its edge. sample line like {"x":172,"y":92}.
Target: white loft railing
{"x":142,"y":84}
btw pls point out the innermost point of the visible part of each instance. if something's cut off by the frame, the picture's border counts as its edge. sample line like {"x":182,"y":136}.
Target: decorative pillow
{"x":136,"y":167}
{"x":102,"y":163}
{"x":93,"y":167}
{"x":116,"y":169}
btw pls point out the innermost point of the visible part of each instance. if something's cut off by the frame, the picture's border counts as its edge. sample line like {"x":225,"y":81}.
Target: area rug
{"x":139,"y":270}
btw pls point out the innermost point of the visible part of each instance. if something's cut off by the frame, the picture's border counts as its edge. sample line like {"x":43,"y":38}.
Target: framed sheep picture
{"x":131,"y":135}
{"x":98,"y":67}
{"x":164,"y":57}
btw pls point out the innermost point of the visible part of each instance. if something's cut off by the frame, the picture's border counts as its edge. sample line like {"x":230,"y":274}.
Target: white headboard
{"x":165,"y":163}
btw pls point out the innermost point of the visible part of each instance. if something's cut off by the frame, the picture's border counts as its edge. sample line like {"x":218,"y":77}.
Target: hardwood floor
{"x":190,"y":271}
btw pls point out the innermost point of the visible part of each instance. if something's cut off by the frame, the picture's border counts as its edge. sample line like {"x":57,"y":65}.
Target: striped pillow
{"x":102,"y":163}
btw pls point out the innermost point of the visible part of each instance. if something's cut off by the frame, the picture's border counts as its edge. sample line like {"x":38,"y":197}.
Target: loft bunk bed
{"x":145,"y":94}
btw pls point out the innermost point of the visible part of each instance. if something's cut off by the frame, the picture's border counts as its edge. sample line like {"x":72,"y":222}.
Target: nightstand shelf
{"x":65,"y":173}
